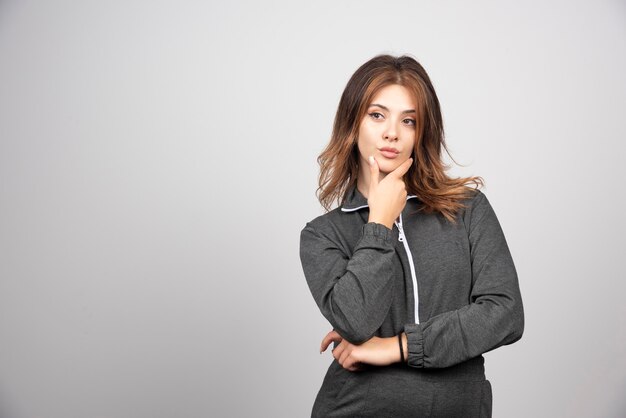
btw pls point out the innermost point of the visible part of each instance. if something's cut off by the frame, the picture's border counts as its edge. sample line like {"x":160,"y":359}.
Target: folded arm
{"x":494,"y":316}
{"x":353,"y":292}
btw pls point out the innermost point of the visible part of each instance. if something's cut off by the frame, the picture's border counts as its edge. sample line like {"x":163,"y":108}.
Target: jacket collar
{"x":355,"y":200}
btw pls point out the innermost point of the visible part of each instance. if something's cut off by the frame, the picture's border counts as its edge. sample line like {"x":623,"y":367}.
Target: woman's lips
{"x":388,"y":153}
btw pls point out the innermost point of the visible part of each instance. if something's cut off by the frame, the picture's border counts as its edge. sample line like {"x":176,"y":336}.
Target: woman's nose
{"x":390,"y":133}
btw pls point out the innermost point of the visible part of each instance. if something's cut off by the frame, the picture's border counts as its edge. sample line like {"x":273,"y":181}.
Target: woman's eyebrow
{"x":387,"y":109}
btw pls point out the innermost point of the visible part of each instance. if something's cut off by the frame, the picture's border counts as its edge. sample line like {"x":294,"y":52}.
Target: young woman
{"x":412,"y":269}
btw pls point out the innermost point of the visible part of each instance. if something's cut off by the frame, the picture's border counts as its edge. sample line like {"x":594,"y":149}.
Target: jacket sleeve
{"x":494,"y":316}
{"x":354,"y":292}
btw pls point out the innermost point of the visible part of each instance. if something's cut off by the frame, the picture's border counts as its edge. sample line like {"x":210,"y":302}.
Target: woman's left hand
{"x":376,"y":351}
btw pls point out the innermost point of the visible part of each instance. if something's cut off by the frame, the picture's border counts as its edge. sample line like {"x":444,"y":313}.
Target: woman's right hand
{"x":387,"y":198}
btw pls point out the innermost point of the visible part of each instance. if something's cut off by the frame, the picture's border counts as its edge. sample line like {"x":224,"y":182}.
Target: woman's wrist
{"x":403,"y":353}
{"x":393,"y":347}
{"x":387,"y":223}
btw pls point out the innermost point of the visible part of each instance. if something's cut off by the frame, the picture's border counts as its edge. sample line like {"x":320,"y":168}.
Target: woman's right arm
{"x":354,"y":293}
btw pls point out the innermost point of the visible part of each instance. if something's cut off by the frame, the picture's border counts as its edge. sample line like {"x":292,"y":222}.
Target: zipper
{"x":402,"y":239}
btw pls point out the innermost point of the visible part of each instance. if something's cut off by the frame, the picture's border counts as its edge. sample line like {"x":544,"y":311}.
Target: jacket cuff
{"x":415,"y":343}
{"x":380,"y":231}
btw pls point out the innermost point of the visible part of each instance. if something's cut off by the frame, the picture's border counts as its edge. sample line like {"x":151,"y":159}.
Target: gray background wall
{"x":157,"y":163}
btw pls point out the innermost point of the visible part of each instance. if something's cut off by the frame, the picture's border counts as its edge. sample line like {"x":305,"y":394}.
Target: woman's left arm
{"x":495,"y":314}
{"x":377,"y":351}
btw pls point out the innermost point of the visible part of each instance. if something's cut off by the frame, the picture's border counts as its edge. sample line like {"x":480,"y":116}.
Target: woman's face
{"x":388,"y":129}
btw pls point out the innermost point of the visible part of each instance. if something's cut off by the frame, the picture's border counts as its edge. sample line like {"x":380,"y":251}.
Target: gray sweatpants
{"x":402,"y":391}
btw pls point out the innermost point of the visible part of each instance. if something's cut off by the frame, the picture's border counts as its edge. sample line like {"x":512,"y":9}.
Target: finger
{"x":350,"y":364}
{"x":330,"y":337}
{"x":343,"y":357}
{"x":325,"y":341}
{"x":373,"y":173}
{"x":339,"y":347}
{"x":338,"y":351}
{"x":402,"y":168}
{"x":356,"y":367}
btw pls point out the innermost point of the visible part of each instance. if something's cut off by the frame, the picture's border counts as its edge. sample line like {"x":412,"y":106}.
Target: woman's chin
{"x":387,"y":167}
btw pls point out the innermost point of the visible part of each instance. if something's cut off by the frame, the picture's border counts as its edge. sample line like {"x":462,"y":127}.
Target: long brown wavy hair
{"x":427,"y":178}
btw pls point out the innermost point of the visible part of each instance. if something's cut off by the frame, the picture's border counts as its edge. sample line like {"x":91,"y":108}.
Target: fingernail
{"x":371,"y":159}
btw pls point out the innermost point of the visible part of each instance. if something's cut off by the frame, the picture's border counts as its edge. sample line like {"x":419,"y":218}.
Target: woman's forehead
{"x":394,"y":97}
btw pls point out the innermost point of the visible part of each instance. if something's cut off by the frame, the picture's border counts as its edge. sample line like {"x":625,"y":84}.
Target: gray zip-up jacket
{"x":452,"y":288}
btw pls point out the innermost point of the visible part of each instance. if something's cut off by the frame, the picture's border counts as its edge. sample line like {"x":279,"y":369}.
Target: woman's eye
{"x":376,"y":115}
{"x":410,"y":122}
